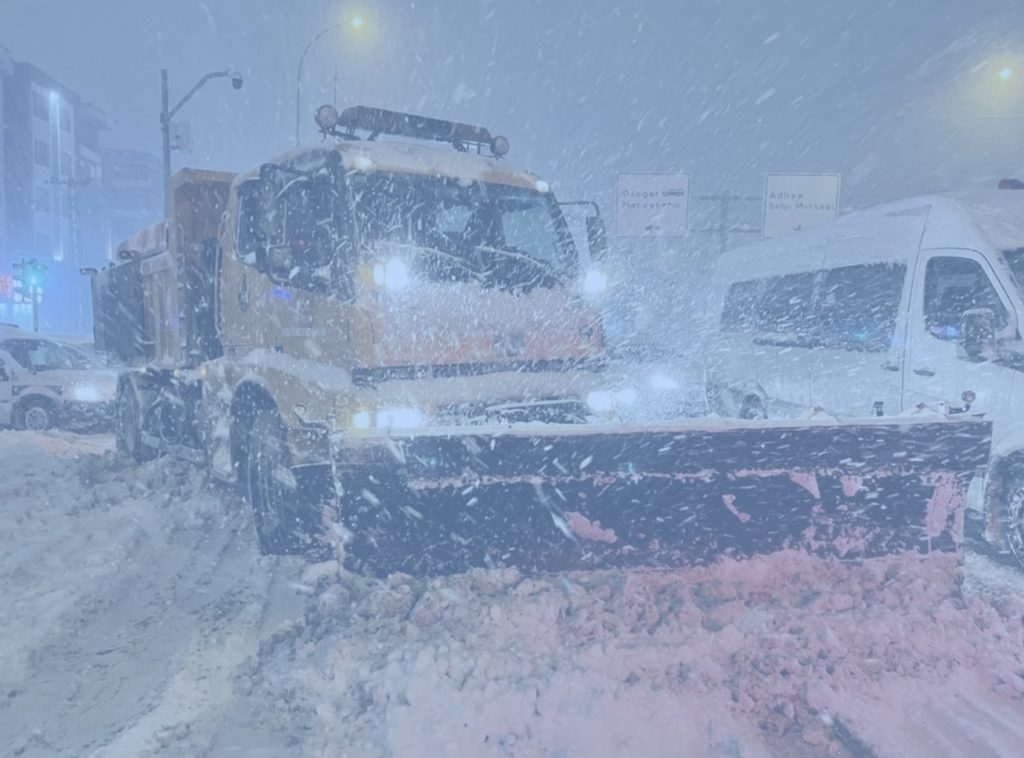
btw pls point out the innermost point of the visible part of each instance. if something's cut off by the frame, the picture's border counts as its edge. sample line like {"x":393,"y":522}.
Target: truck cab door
{"x":948,"y":283}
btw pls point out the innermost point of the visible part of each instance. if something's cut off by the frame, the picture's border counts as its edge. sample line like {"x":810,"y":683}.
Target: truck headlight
{"x":607,"y":402}
{"x":594,"y":282}
{"x":393,"y":274}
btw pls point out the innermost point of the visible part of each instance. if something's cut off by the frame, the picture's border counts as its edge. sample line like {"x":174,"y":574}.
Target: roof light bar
{"x":377,"y":121}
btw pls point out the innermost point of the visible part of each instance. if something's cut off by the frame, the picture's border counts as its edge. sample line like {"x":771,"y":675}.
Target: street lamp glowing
{"x":357,"y":22}
{"x":1006,"y":73}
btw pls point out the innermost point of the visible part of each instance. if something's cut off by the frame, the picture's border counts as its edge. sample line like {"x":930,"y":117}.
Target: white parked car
{"x":46,"y":383}
{"x":915,"y":302}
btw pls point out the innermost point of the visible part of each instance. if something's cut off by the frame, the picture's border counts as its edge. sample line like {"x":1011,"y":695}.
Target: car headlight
{"x":86,"y":393}
{"x":400,"y":418}
{"x":393,"y":274}
{"x":389,"y":418}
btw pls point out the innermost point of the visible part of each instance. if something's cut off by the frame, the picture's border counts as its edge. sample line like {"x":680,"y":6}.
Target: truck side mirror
{"x":280,"y":262}
{"x":597,"y":238}
{"x":977,"y":336}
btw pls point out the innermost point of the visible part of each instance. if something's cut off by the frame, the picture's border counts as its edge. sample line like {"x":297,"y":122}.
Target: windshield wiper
{"x":425,"y":250}
{"x":544,"y":266}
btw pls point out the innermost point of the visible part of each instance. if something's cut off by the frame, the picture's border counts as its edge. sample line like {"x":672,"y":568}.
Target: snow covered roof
{"x":416,"y":158}
{"x":895,"y":231}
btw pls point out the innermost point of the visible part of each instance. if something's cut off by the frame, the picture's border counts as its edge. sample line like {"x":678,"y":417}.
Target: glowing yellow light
{"x":1006,"y":73}
{"x":357,"y":22}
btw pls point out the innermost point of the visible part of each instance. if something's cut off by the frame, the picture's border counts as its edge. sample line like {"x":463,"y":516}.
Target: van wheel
{"x":284,"y":518}
{"x":1014,"y":523}
{"x":128,"y":427}
{"x":35,"y":415}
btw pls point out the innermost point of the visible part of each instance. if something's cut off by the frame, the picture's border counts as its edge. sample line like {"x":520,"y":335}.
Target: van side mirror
{"x":597,"y":238}
{"x":977,"y":338}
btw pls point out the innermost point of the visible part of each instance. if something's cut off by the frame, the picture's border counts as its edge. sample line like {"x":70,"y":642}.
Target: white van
{"x":46,"y":383}
{"x":915,"y":302}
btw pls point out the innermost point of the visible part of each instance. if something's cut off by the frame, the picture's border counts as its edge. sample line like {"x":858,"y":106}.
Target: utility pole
{"x":725,"y":201}
{"x":166,"y":114}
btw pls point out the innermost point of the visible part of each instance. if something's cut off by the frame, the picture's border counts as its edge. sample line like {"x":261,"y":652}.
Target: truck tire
{"x":128,"y":427}
{"x":1014,"y":516}
{"x":35,"y":414}
{"x":283,"y":515}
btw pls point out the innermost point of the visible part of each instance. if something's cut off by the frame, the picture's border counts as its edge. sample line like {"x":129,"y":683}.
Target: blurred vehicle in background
{"x":46,"y":383}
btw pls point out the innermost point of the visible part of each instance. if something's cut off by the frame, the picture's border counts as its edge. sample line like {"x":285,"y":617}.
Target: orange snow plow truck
{"x":385,"y":340}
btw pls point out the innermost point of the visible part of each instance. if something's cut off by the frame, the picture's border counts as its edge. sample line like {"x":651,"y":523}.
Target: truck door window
{"x":306,"y":207}
{"x":252,"y":237}
{"x":952,"y":286}
{"x":858,"y":306}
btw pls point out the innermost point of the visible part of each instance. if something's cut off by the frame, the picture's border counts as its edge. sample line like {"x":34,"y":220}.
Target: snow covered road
{"x":137,"y":618}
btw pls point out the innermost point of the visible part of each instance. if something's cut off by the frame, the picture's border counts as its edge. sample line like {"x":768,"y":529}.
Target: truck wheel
{"x":128,"y":427}
{"x":284,"y":521}
{"x":35,"y":415}
{"x":1014,"y":524}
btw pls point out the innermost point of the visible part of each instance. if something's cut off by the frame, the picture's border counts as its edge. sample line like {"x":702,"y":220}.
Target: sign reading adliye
{"x":652,"y":205}
{"x":793,"y":202}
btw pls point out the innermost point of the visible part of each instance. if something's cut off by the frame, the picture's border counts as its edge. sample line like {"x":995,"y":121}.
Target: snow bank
{"x":770,"y":656}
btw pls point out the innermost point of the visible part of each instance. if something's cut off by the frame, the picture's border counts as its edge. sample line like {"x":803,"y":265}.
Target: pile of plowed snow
{"x":782,"y":655}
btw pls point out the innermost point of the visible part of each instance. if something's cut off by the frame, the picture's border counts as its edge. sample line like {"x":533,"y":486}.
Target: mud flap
{"x":570,"y":500}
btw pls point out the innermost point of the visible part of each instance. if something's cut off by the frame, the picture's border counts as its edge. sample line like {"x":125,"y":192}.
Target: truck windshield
{"x":502,"y":236}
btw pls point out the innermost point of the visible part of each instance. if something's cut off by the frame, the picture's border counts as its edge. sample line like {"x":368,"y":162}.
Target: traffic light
{"x":29,"y":285}
{"x":31,"y":277}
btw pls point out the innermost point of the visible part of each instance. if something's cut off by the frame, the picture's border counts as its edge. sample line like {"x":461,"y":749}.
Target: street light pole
{"x":298,"y":81}
{"x":165,"y":130}
{"x":356,"y":22}
{"x":166,"y":116}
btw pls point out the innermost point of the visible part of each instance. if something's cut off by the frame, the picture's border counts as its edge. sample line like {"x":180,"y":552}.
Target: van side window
{"x":252,"y":239}
{"x":739,"y":314}
{"x":858,"y":306}
{"x":955,"y":285}
{"x":786,"y":307}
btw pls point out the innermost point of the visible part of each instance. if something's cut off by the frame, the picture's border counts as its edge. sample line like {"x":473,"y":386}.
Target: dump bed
{"x":156,"y":303}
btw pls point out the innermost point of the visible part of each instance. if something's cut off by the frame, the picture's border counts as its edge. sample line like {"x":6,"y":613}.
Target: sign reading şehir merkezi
{"x":794,"y":202}
{"x":652,"y":205}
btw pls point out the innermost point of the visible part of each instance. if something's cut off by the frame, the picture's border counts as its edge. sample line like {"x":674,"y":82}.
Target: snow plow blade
{"x":573,"y":498}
